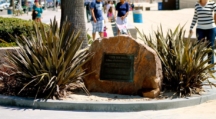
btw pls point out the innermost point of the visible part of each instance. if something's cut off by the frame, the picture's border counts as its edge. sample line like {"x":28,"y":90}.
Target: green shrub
{"x":6,"y":44}
{"x":15,"y":27}
{"x":183,"y":62}
{"x":11,"y":44}
{"x":90,"y":40}
{"x":49,"y":61}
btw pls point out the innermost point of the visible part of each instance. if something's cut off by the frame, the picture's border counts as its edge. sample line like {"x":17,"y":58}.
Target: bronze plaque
{"x":117,"y":67}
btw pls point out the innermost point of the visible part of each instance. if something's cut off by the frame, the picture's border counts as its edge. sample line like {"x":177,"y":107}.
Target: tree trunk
{"x":74,"y":11}
{"x":11,"y":3}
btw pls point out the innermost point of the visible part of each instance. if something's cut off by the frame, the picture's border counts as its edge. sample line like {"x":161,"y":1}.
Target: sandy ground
{"x":105,"y":97}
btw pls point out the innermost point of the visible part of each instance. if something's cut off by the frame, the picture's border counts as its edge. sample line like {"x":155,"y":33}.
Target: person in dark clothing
{"x":132,"y":6}
{"x":87,"y":4}
{"x":57,"y":3}
{"x":122,"y":11}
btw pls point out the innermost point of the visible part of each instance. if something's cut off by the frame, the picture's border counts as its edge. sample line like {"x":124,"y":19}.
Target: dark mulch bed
{"x":10,"y":86}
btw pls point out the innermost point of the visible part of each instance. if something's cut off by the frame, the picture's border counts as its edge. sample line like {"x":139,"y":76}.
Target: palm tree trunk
{"x":74,"y":11}
{"x":12,"y":5}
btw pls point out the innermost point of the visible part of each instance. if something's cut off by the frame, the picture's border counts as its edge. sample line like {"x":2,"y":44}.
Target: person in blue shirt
{"x":122,"y":11}
{"x":37,"y":11}
{"x":97,"y":19}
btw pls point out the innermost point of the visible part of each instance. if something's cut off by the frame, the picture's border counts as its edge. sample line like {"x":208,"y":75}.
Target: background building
{"x":188,"y":3}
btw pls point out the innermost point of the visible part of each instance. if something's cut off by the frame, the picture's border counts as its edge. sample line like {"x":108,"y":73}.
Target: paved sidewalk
{"x":203,"y":111}
{"x":151,"y":19}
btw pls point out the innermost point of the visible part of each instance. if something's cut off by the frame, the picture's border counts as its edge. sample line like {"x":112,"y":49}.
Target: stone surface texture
{"x":3,"y":53}
{"x":147,"y":67}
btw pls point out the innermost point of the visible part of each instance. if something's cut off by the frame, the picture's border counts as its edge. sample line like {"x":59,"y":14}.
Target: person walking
{"x":108,"y":6}
{"x":114,"y":3}
{"x":97,"y":18}
{"x":132,"y":6}
{"x":57,"y":3}
{"x":104,"y":6}
{"x":205,"y":29}
{"x":88,"y":12}
{"x":122,"y":11}
{"x":110,"y":14}
{"x":25,"y":7}
{"x":37,"y":11}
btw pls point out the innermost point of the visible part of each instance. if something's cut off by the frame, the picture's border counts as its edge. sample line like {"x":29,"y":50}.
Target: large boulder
{"x":147,"y":70}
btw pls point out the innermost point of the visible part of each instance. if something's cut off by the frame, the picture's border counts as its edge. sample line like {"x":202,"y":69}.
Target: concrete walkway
{"x":151,"y":19}
{"x":203,"y":111}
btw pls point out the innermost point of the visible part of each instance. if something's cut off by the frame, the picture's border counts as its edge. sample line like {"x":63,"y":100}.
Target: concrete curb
{"x":105,"y":106}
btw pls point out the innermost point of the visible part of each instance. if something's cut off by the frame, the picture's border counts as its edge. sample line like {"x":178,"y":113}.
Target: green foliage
{"x":183,"y":60}
{"x":11,"y":44}
{"x":90,"y":40}
{"x":15,"y":27}
{"x":50,"y":60}
{"x":6,"y":44}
